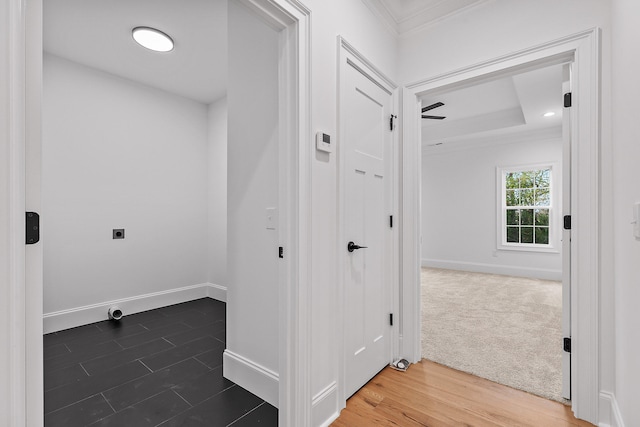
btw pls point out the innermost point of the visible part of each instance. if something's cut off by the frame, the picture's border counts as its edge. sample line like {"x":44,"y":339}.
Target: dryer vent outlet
{"x":115,"y":313}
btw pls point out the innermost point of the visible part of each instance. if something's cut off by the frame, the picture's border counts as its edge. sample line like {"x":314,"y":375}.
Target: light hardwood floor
{"x":432,"y":395}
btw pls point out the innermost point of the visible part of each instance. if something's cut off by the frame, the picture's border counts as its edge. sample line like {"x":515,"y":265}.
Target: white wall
{"x":117,"y":154}
{"x":626,"y":132}
{"x":357,"y":24}
{"x":217,"y":196}
{"x":459,"y":209}
{"x":501,"y":27}
{"x":252,"y":178}
{"x":496,"y":28}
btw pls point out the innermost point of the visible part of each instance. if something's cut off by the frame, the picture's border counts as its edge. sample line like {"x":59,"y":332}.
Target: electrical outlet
{"x":118,"y":233}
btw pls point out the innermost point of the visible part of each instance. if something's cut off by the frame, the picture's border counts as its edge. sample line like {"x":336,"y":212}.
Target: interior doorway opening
{"x":494,"y":190}
{"x":291,"y":24}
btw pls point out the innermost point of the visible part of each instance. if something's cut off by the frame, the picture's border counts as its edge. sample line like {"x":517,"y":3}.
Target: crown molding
{"x":428,"y":15}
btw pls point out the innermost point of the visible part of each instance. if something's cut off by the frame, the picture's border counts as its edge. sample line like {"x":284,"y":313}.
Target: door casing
{"x":583,"y":49}
{"x":566,"y":234}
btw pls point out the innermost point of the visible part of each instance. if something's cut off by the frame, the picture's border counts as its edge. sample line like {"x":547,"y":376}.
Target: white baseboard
{"x":65,"y":319}
{"x":610,"y":415}
{"x":261,"y":381}
{"x":535,"y":273}
{"x":217,"y":292}
{"x":324,"y":406}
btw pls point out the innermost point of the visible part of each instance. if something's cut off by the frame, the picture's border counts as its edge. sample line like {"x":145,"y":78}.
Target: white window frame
{"x":554,"y":209}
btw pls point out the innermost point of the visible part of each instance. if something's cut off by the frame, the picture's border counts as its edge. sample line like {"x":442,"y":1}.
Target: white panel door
{"x":367,"y":204}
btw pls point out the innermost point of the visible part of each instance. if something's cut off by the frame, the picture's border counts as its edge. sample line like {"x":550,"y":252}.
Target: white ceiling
{"x":498,"y":108}
{"x":97,"y":33}
{"x":404,"y":16}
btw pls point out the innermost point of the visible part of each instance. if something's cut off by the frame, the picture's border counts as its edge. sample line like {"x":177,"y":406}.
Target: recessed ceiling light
{"x":549,"y":114}
{"x":152,"y":39}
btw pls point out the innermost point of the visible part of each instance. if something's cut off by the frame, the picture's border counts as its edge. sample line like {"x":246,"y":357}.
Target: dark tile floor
{"x":158,"y":368}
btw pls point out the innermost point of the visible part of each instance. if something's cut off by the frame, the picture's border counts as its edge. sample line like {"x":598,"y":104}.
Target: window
{"x":526,"y":208}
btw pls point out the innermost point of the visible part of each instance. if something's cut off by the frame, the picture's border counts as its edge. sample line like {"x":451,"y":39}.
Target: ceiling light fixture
{"x":152,"y":39}
{"x":549,"y":114}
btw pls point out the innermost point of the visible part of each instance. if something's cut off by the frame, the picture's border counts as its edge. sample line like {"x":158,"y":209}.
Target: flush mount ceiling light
{"x":549,"y":114}
{"x":152,"y":39}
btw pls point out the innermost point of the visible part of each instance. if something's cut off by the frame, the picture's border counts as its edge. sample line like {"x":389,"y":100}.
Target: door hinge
{"x":390,"y":221}
{"x":280,"y":252}
{"x":567,"y":345}
{"x":391,"y":319}
{"x":32,"y":225}
{"x":567,"y":222}
{"x":391,"y":121}
{"x":567,"y":100}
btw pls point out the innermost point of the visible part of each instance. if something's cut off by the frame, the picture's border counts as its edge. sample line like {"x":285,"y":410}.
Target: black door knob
{"x":352,"y":247}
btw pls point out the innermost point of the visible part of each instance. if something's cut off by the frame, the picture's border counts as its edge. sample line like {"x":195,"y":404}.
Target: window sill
{"x":521,"y":248}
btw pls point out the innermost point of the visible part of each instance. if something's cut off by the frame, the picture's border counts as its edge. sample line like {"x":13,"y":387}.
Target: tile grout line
{"x":244,"y":415}
{"x":84,"y":369}
{"x":201,"y":362}
{"x":150,"y":370}
{"x":164,"y":338}
{"x":95,"y":394}
{"x":71,"y":404}
{"x":108,"y":403}
{"x":180,"y":396}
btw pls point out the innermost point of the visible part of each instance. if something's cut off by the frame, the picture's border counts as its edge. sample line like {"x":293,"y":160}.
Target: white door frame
{"x":291,"y":19}
{"x":346,"y":51}
{"x":566,"y":234}
{"x":21,"y":288}
{"x":21,"y":319}
{"x":584,"y":50}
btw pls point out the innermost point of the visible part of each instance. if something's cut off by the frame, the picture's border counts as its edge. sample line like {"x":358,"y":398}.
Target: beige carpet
{"x":506,"y":329}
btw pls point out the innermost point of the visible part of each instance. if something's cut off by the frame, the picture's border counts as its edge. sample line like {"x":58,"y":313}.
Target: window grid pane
{"x":527,"y":200}
{"x":513,"y":234}
{"x":542,"y":235}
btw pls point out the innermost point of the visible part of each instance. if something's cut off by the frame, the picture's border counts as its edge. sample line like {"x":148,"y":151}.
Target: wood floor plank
{"x":493,"y":408}
{"x":431,"y":406}
{"x":505,"y":399}
{"x":432,"y":395}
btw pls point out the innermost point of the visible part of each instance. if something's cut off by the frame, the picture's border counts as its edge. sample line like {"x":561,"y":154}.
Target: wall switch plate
{"x":118,"y":233}
{"x":272,"y":218}
{"x":636,"y":220}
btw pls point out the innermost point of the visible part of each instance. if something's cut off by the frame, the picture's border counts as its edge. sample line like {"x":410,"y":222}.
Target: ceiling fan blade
{"x":434,"y":117}
{"x":432,"y":106}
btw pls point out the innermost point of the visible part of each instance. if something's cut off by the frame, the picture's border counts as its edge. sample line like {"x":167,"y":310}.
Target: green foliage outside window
{"x":528,"y":199}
